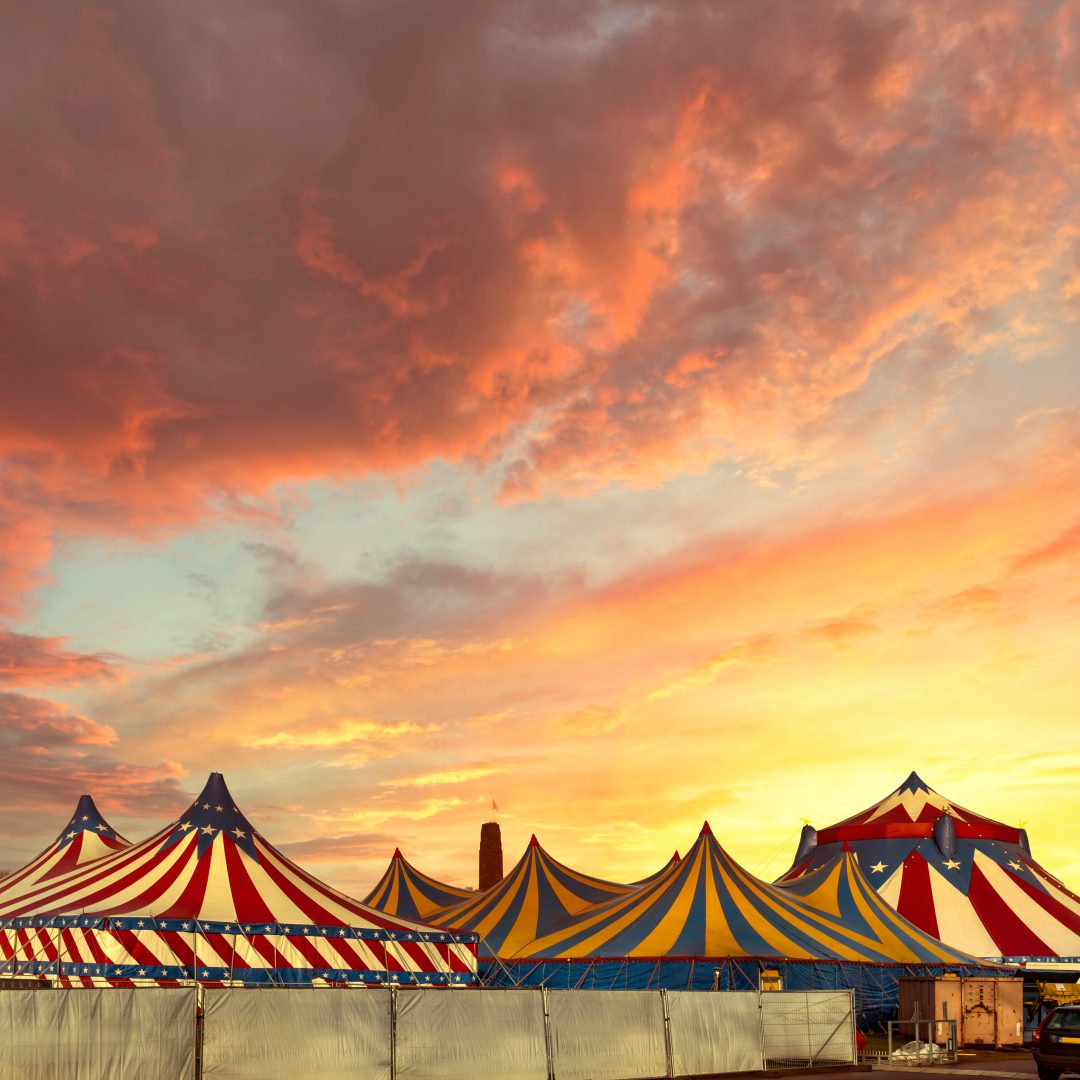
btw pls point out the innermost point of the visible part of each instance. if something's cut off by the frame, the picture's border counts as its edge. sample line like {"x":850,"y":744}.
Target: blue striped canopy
{"x":840,"y":890}
{"x":407,"y":893}
{"x":709,"y":906}
{"x":539,"y":894}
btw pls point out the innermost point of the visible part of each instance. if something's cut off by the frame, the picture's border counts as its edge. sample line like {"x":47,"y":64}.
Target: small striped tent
{"x":841,"y":891}
{"x":663,"y":871}
{"x":535,"y":897}
{"x":86,"y":837}
{"x":406,"y":892}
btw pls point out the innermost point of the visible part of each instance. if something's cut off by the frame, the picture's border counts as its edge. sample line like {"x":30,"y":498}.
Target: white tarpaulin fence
{"x":463,"y":1036}
{"x":712,"y":1033}
{"x":607,"y":1034}
{"x":97,"y":1035}
{"x":260,"y":1034}
{"x":396,"y":1034}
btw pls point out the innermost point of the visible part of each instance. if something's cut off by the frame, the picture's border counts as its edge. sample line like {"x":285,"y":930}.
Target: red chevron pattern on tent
{"x":964,"y":878}
{"x":209,"y":899}
{"x":86,"y":837}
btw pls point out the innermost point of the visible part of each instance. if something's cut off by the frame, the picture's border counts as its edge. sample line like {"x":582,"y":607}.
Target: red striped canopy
{"x":209,"y":898}
{"x":966,"y":879}
{"x":86,"y":837}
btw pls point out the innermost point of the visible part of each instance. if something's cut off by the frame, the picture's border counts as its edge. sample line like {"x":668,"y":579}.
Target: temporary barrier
{"x":106,"y":1034}
{"x":265,"y":1034}
{"x":607,"y":1036}
{"x":808,"y":1028}
{"x":498,"y":1034}
{"x":876,"y":986}
{"x":397,"y":1033}
{"x":713,"y":1033}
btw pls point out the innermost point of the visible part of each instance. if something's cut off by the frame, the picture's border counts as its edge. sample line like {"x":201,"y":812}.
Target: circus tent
{"x":709,"y":906}
{"x":961,"y":877}
{"x":209,"y":898}
{"x":407,"y":892}
{"x":86,"y":837}
{"x":664,"y":870}
{"x":535,"y":897}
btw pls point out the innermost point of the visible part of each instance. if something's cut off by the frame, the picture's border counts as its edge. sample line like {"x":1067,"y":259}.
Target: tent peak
{"x":676,"y":857}
{"x":706,"y":830}
{"x":914,"y":782}
{"x":214,"y":815}
{"x":88,"y":818}
{"x":397,"y":854}
{"x":533,"y":842}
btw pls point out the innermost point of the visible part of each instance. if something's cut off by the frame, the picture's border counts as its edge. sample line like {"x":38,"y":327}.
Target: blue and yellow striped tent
{"x":539,"y":894}
{"x":665,"y":869}
{"x":407,"y":893}
{"x":840,"y":891}
{"x":710,"y":907}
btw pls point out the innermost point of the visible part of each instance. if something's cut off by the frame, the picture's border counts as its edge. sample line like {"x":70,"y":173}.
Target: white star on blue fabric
{"x":878,"y":867}
{"x":952,"y":864}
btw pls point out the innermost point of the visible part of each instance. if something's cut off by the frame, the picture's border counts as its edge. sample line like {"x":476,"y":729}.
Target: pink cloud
{"x":53,"y":755}
{"x":310,"y":259}
{"x":29,"y":660}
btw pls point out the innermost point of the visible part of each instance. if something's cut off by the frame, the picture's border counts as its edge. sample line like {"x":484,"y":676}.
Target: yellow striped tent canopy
{"x":708,"y":906}
{"x":409,"y":893}
{"x":539,"y":894}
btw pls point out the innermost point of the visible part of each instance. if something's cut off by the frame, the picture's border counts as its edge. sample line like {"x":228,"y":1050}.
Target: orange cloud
{"x":29,"y":660}
{"x":53,"y":755}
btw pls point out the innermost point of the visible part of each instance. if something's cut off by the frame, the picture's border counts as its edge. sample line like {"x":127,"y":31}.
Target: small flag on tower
{"x":494,"y":805}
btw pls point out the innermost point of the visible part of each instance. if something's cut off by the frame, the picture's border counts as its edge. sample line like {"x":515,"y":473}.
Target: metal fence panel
{"x":813,"y":1027}
{"x":286,"y":1034}
{"x":110,"y":1034}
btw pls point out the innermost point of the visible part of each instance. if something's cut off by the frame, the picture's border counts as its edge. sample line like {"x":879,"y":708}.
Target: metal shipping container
{"x":988,"y":1011}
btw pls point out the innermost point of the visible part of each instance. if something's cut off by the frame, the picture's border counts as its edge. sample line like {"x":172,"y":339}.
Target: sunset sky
{"x":629,"y":413}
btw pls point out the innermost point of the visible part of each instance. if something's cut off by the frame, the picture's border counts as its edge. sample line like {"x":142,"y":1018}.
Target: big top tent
{"x":208,"y":898}
{"x":86,"y":837}
{"x":710,"y":907}
{"x":957,"y":875}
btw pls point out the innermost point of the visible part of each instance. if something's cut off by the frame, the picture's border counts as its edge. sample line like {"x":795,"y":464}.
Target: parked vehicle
{"x":1056,"y":1043}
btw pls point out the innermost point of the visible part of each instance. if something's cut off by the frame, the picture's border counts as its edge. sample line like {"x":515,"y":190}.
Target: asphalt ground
{"x":1000,"y":1065}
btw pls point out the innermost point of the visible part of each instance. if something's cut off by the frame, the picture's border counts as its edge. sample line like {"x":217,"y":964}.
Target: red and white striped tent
{"x":966,"y":879}
{"x":209,"y":899}
{"x":86,"y":837}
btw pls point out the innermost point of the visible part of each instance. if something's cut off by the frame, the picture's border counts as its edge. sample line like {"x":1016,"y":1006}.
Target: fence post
{"x":200,"y":1029}
{"x":854,"y":1033}
{"x":547,"y":1034}
{"x":393,"y":1031}
{"x":761,"y":1026}
{"x":669,"y":1054}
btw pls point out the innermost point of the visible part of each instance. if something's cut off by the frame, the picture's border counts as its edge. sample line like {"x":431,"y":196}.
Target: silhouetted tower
{"x":491,"y":869}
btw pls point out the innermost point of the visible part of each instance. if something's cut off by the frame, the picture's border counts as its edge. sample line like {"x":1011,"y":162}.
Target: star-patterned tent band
{"x":956,"y":874}
{"x":209,"y":885}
